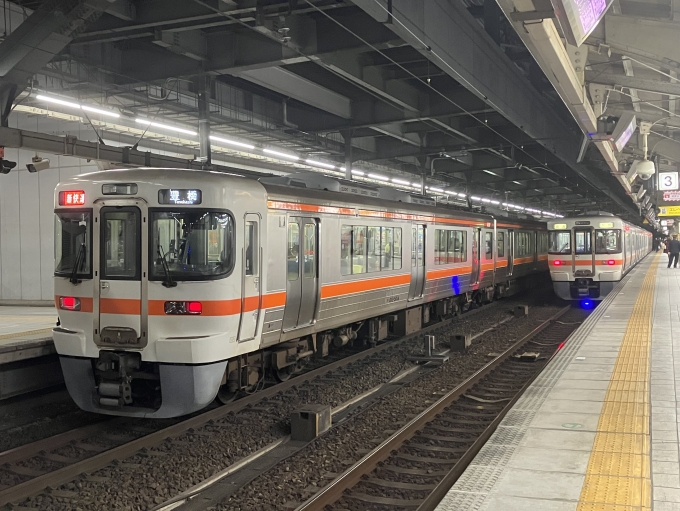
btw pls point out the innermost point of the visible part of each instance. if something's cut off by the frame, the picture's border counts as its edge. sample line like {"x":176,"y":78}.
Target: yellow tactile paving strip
{"x":24,"y":334}
{"x":618,"y":474}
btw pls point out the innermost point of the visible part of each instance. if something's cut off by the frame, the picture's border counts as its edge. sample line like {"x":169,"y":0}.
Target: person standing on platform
{"x":673,"y":251}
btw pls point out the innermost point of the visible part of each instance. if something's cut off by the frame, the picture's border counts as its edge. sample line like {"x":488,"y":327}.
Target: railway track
{"x":40,"y":467}
{"x":418,"y":464}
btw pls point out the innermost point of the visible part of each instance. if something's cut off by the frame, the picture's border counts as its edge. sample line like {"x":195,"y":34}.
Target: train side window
{"x":309,"y":254}
{"x":396,"y":249}
{"x":345,"y":250}
{"x":293,"y":251}
{"x":251,"y":250}
{"x":488,"y":244}
{"x":373,"y":248}
{"x":459,"y":246}
{"x":500,"y":244}
{"x":359,"y":250}
{"x":608,"y":241}
{"x":439,"y":246}
{"x":451,"y":244}
{"x":387,"y":247}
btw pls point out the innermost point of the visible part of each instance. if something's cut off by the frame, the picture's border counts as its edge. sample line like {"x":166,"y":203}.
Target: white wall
{"x":27,"y":224}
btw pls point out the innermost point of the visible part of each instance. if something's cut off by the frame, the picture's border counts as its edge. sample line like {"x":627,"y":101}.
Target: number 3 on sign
{"x":668,"y":181}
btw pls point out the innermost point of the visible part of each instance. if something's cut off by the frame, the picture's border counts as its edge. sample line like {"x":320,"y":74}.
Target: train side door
{"x":511,"y":251}
{"x":584,"y":255}
{"x":302,"y":286}
{"x":417,"y":262}
{"x":476,"y":254}
{"x":120,"y":310}
{"x":250,"y":274}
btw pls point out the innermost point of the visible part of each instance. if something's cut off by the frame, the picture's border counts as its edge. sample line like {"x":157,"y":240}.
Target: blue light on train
{"x":455,"y":285}
{"x":587,"y":304}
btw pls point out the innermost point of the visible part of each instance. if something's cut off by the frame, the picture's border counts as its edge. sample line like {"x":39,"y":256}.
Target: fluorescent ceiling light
{"x":495,"y":202}
{"x":357,"y":172}
{"x":378,"y":177}
{"x":401,"y":182}
{"x":437,"y":189}
{"x":165,"y":127}
{"x":77,"y":106}
{"x":232,"y":142}
{"x":286,"y":156}
{"x":486,"y":200}
{"x":462,"y":195}
{"x":473,"y":197}
{"x":320,"y":164}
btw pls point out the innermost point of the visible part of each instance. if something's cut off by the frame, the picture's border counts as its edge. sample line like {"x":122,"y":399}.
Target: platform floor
{"x":26,"y":332}
{"x":598,"y":429}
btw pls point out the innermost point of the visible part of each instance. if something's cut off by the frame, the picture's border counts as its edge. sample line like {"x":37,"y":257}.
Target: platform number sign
{"x":668,"y":181}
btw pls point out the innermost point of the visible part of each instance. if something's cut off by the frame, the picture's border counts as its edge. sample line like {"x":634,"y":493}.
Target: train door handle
{"x":104,"y":285}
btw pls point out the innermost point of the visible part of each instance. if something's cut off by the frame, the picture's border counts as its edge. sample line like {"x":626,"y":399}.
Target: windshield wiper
{"x":168,"y":282}
{"x":80,"y":258}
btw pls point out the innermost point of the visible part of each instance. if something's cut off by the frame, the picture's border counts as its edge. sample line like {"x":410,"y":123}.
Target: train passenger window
{"x":500,"y":244}
{"x":608,"y":241}
{"x":310,"y":251}
{"x":251,"y":248}
{"x":346,"y":250}
{"x":72,"y":242}
{"x":373,"y":248}
{"x":359,"y":250}
{"x":582,"y":242}
{"x":387,"y":247}
{"x":440,"y":246}
{"x":459,"y":246}
{"x":293,"y":265}
{"x":120,"y":244}
{"x":396,"y":249}
{"x":488,"y":244}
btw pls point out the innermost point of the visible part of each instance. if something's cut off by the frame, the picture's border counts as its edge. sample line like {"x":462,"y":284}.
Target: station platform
{"x":598,"y":429}
{"x":28,"y":359}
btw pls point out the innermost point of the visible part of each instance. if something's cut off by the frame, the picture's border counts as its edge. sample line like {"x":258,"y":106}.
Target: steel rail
{"x":65,"y":474}
{"x":335,"y":490}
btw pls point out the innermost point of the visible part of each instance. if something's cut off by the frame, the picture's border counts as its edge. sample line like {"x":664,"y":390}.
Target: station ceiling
{"x":443,"y":90}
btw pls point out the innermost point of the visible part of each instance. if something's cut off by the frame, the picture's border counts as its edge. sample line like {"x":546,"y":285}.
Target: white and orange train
{"x":174,"y":286}
{"x":590,"y":254}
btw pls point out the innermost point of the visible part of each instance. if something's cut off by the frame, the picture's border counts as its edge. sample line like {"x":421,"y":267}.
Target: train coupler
{"x":115,"y":377}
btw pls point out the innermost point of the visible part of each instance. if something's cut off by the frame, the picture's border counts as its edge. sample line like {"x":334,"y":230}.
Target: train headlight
{"x":175,"y":308}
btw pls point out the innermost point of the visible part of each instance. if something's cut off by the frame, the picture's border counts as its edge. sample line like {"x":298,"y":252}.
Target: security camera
{"x":6,"y":166}
{"x":645,"y":169}
{"x":37,"y":164}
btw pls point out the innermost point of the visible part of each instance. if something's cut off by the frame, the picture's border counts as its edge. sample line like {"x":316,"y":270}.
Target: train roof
{"x":294,"y":192}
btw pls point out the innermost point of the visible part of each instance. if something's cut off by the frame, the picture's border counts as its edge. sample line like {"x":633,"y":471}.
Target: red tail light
{"x":611,"y":262}
{"x":194,"y":307}
{"x":175,"y":308}
{"x":69,"y":303}
{"x":557,"y":263}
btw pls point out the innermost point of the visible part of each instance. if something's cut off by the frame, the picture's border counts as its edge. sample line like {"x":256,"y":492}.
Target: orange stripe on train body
{"x":447,"y":272}
{"x":359,"y":286}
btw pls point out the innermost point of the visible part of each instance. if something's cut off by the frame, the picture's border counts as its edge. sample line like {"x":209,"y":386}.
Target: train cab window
{"x":310,"y":251}
{"x":293,"y":251}
{"x":72,"y":242}
{"x":582,"y":242}
{"x":359,"y":250}
{"x":191,"y":244}
{"x":608,"y":241}
{"x":560,"y":242}
{"x":251,"y":248}
{"x":488,"y":245}
{"x":500,"y":244}
{"x":120,"y":243}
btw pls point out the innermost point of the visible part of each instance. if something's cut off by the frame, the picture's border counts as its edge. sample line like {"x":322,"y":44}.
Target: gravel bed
{"x":295,"y":479}
{"x":146,"y":479}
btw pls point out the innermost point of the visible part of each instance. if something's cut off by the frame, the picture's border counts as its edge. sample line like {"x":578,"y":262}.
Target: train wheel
{"x":225,"y":396}
{"x":285,"y":373}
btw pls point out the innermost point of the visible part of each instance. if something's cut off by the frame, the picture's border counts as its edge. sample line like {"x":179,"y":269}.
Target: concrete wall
{"x":27,"y":225}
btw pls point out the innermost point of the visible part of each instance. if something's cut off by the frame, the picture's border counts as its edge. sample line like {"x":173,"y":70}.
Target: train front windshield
{"x":560,"y":242}
{"x":191,"y":244}
{"x":72,"y":239}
